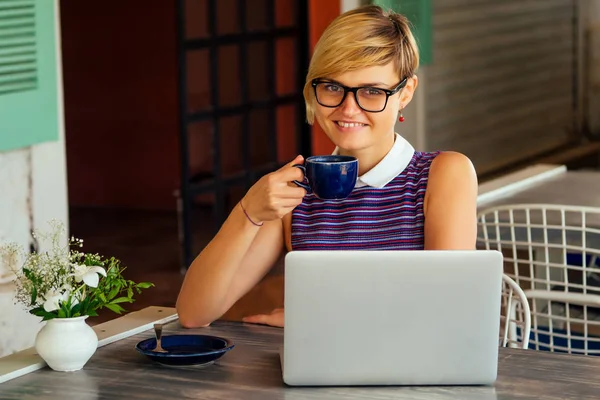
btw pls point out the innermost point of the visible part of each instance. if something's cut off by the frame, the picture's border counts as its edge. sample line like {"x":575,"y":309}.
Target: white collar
{"x":394,"y":162}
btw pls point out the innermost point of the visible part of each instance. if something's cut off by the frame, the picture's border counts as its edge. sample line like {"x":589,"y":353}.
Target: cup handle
{"x":302,"y":185}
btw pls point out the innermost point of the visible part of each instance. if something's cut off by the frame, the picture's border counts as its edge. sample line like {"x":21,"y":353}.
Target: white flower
{"x":53,"y":298}
{"x":87,"y":274}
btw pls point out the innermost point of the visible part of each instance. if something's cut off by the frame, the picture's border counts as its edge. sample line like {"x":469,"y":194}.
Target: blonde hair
{"x":359,"y":38}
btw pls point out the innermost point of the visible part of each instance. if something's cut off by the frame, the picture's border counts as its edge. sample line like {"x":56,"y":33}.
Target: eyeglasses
{"x":370,"y":99}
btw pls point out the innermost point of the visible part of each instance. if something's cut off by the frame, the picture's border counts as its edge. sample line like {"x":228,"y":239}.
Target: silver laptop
{"x":391,"y":317}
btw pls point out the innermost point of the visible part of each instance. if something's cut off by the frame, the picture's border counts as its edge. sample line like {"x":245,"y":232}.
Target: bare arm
{"x":241,"y":253}
{"x":451,"y":204}
{"x":228,"y":267}
{"x":276,"y":317}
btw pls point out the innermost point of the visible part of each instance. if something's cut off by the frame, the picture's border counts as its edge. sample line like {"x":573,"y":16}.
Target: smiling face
{"x":365,"y":46}
{"x":353,"y":129}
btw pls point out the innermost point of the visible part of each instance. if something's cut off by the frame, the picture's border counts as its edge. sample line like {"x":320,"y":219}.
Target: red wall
{"x":120,"y":88}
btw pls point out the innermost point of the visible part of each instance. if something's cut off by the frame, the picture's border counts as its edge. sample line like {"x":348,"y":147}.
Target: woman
{"x":361,"y":77}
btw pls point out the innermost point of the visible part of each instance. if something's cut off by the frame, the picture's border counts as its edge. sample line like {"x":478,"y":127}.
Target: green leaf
{"x":113,"y":293}
{"x":122,"y":300}
{"x":65,"y":307}
{"x":129,"y":292}
{"x":115,"y":308}
{"x":33,"y":295}
{"x":61,"y":313}
{"x":36,"y":310}
{"x":84,"y":303}
{"x":76,"y":309}
{"x":145,"y":285}
{"x":40,"y":312}
{"x":27,"y":273}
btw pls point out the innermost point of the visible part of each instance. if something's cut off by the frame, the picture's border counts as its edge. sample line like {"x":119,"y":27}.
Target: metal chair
{"x":553,"y":253}
{"x":515,"y":315}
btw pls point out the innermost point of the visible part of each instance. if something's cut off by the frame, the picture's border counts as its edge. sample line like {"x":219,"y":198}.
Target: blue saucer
{"x":186,"y":349}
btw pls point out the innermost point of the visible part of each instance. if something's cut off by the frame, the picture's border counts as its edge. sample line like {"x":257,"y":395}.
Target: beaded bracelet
{"x":247,"y":216}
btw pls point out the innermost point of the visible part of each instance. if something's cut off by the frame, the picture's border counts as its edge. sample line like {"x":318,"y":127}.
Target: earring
{"x":401,"y":118}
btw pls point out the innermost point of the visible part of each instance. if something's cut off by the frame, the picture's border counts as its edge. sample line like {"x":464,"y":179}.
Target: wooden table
{"x":252,"y":371}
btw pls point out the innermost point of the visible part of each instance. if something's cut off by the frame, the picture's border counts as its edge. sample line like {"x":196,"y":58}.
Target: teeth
{"x":349,"y":124}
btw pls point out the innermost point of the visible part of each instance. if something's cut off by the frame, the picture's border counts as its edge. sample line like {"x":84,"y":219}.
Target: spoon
{"x":158,"y":334}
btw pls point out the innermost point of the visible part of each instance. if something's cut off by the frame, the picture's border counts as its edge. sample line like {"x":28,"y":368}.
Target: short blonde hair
{"x":359,"y":38}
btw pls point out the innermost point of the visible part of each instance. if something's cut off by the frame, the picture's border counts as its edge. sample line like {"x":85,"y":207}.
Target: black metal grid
{"x":216,"y":182}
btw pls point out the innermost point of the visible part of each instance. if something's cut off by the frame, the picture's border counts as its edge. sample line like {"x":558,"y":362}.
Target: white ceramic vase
{"x":66,"y":344}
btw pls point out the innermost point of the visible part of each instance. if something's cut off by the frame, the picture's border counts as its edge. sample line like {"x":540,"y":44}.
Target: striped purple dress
{"x":386,"y":218}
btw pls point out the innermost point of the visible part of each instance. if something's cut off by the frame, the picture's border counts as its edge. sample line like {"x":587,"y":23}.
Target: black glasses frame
{"x":354,"y":90}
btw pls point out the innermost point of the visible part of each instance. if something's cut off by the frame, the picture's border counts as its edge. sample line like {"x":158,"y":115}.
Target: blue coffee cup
{"x":329,"y":177}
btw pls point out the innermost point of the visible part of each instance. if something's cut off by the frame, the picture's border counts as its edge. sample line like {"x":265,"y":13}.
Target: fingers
{"x":276,"y":318}
{"x":298,"y":160}
{"x":296,"y":173}
{"x":274,"y":195}
{"x":257,"y":319}
{"x":290,"y":173}
{"x":293,"y":192}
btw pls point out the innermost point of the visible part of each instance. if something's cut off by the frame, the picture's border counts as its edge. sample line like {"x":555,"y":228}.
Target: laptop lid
{"x":391,"y":317}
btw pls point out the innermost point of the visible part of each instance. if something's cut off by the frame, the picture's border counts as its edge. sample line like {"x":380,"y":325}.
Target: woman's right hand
{"x":275,"y":195}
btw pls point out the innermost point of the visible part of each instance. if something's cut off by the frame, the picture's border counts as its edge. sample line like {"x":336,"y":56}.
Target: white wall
{"x":33,"y":190}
